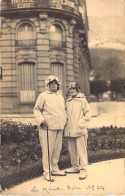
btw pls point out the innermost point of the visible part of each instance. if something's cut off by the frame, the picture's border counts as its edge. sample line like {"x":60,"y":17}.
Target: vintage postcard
{"x":62,"y":97}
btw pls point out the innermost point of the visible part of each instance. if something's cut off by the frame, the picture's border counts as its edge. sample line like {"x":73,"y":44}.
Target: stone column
{"x":70,"y":53}
{"x":43,"y":59}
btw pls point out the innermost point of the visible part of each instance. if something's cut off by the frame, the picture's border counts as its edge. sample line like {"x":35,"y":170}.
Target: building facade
{"x":39,"y":38}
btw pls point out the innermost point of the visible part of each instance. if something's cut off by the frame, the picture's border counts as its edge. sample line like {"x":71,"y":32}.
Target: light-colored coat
{"x":78,"y":112}
{"x":51,"y":107}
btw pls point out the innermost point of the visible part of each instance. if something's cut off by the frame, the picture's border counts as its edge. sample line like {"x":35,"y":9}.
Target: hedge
{"x":21,"y":150}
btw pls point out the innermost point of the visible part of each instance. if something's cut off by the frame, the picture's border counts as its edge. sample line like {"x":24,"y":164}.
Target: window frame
{"x":25,"y":43}
{"x":54,"y":43}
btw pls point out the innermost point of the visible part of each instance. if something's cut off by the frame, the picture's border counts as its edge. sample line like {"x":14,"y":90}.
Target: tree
{"x":96,"y":66}
{"x":118,"y":86}
{"x":113,"y":68}
{"x":108,"y":69}
{"x":98,"y":86}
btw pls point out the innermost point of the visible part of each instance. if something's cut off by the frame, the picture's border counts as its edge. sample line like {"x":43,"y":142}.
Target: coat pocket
{"x":82,"y":123}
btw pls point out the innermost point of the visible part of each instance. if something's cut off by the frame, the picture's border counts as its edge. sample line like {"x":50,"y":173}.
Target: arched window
{"x":56,"y":36}
{"x":26,"y":35}
{"x":55,"y":33}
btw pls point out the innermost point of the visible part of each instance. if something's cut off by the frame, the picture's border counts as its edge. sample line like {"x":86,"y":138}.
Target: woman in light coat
{"x":78,"y":112}
{"x":50,"y":113}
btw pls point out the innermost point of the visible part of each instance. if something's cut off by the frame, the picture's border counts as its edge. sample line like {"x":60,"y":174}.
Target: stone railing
{"x":57,"y":44}
{"x":69,"y":5}
{"x":25,"y":43}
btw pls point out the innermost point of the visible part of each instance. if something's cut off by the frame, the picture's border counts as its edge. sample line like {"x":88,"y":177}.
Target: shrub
{"x":19,"y":143}
{"x":21,"y":150}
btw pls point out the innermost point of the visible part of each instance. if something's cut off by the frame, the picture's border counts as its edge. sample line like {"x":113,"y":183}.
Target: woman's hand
{"x":44,"y":125}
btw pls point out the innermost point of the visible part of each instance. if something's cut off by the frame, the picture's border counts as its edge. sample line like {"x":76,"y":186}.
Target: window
{"x":57,"y":70}
{"x":55,"y":33}
{"x":56,"y":36}
{"x":26,"y":82}
{"x":25,"y":35}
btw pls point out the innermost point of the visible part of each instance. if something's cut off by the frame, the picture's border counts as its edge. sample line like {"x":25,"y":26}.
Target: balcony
{"x":59,"y":5}
{"x":25,"y":43}
{"x":57,"y":44}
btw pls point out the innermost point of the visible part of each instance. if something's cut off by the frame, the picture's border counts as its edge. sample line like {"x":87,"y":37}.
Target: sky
{"x":105,"y":7}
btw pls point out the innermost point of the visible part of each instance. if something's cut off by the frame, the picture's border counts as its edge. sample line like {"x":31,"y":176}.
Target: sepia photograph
{"x":62,"y":97}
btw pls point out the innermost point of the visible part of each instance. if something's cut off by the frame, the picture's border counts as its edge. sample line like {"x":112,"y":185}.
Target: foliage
{"x":106,"y":138}
{"x":20,"y":142}
{"x":98,"y":86}
{"x":21,"y":151}
{"x":118,"y":85}
{"x":111,"y":68}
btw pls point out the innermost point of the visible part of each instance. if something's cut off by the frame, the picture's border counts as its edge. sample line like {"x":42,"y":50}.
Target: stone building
{"x":39,"y":38}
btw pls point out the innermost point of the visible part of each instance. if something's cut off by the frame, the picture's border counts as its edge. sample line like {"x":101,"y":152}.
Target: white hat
{"x":51,"y":78}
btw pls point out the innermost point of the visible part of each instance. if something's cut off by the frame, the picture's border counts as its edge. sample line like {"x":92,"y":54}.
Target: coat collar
{"x":49,"y":92}
{"x":77,"y":98}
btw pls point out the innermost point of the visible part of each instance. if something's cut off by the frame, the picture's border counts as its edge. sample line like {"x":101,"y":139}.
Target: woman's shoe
{"x":72,"y":171}
{"x":83,"y":175}
{"x":58,"y":173}
{"x":48,"y":177}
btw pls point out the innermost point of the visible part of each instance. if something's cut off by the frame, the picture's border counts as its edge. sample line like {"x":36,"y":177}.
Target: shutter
{"x":57,"y":70}
{"x":26,"y":78}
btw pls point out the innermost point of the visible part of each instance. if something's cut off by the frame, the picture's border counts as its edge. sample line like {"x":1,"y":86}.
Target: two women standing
{"x":51,"y":115}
